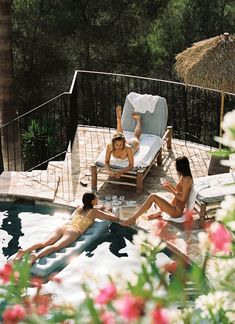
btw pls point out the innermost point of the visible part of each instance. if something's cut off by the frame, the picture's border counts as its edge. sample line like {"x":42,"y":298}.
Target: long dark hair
{"x":87,"y":201}
{"x":182,"y":166}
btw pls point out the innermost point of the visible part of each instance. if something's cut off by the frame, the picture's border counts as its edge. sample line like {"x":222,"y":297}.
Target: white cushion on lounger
{"x":149,"y":146}
{"x":212,"y":189}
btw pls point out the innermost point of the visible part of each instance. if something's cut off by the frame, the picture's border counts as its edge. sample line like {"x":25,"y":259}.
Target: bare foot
{"x":154,"y":215}
{"x":128,"y":222}
{"x":119,"y":111}
{"x":33,"y":258}
{"x":136,"y":116}
{"x":19,"y":255}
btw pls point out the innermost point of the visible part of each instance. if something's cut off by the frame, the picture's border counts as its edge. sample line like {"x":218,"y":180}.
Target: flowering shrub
{"x":159,"y":292}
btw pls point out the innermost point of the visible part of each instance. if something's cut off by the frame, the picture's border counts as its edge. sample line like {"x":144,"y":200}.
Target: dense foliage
{"x":52,"y":38}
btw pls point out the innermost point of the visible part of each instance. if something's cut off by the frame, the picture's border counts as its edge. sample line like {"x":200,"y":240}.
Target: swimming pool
{"x":112,"y":254}
{"x":24,"y":224}
{"x":21,"y":224}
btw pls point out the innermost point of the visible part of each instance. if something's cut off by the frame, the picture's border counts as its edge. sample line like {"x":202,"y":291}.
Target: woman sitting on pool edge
{"x":63,"y":236}
{"x":181,"y":194}
{"x":122,"y":149}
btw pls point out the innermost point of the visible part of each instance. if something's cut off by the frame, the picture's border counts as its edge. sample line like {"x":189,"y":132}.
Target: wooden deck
{"x":90,"y":141}
{"x":66,"y":187}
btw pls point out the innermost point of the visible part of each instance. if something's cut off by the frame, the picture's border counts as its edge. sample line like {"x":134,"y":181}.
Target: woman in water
{"x":181,"y":194}
{"x":82,"y":219}
{"x":122,"y":149}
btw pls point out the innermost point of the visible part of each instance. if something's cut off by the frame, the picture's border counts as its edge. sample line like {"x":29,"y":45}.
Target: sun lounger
{"x":58,"y":260}
{"x":211,"y":191}
{"x":155,"y":134}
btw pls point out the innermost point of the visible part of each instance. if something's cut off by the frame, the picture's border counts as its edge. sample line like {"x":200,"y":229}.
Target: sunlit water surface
{"x":113,"y":254}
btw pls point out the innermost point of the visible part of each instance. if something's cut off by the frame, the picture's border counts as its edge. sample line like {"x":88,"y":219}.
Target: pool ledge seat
{"x":211,"y":190}
{"x":58,"y":260}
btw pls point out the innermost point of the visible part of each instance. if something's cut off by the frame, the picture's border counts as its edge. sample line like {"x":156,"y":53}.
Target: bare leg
{"x":164,"y":205}
{"x":154,"y":215}
{"x":137,"y":131}
{"x":64,"y":241}
{"x":135,"y":142}
{"x":119,"y":116}
{"x":54,"y":237}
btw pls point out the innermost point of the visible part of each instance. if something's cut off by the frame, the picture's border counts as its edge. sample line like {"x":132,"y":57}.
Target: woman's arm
{"x":98,"y":213}
{"x":107,"y":160}
{"x":186,"y":187}
{"x":130,"y":156}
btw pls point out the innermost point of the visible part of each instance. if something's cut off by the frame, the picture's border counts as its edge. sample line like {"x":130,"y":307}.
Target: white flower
{"x":175,"y":316}
{"x":227,"y":208}
{"x":213,"y":303}
{"x":229,"y":121}
{"x":204,"y":242}
{"x":143,"y":239}
{"x":220,"y":270}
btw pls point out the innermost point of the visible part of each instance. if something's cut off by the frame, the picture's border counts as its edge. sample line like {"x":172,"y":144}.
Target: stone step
{"x":37,"y":184}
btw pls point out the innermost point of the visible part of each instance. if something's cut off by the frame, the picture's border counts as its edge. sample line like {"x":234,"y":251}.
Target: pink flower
{"x":171,"y":267}
{"x":188,"y":224}
{"x":56,"y":279}
{"x":107,"y":318}
{"x":130,"y":307}
{"x":5,"y":272}
{"x":14,"y":314}
{"x":36,"y":282}
{"x":42,"y":309}
{"x":159,"y":316}
{"x":220,"y":237}
{"x":106,"y":294}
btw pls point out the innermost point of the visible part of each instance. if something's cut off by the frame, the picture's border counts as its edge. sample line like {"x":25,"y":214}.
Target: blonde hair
{"x":118,"y":137}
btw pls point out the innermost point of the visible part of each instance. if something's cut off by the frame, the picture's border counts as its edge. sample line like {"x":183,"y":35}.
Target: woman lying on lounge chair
{"x":82,"y":219}
{"x":181,"y":194}
{"x":122,"y":149}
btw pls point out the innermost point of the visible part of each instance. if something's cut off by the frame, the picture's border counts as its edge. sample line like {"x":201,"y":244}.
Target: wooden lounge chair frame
{"x":202,"y":205}
{"x":139,"y":175}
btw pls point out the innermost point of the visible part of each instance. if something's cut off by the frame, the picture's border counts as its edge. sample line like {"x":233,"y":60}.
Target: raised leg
{"x":137,"y":131}
{"x":119,"y":116}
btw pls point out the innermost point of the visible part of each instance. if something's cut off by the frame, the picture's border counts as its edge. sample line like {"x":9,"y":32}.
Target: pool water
{"x":22,"y":225}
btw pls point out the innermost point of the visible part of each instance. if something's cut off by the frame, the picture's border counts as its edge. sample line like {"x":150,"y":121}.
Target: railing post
{"x":73,"y":111}
{"x":169,"y":137}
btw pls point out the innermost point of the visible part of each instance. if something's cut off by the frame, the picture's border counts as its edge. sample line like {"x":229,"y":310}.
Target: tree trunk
{"x":10,"y":138}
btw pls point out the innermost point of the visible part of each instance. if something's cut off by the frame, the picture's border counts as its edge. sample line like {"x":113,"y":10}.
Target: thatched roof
{"x":209,"y":63}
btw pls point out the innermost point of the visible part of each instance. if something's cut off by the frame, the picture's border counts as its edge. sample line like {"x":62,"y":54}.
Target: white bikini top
{"x":119,"y":159}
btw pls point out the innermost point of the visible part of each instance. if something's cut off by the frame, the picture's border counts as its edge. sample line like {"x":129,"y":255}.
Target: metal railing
{"x":46,"y":130}
{"x":194,"y":114}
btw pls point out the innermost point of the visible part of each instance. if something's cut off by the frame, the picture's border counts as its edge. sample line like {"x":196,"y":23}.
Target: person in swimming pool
{"x":122,"y":149}
{"x":181,"y":194}
{"x":82,"y":219}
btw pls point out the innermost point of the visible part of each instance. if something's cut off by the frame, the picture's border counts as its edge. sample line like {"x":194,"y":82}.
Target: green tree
{"x":10,"y":142}
{"x":204,"y":18}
